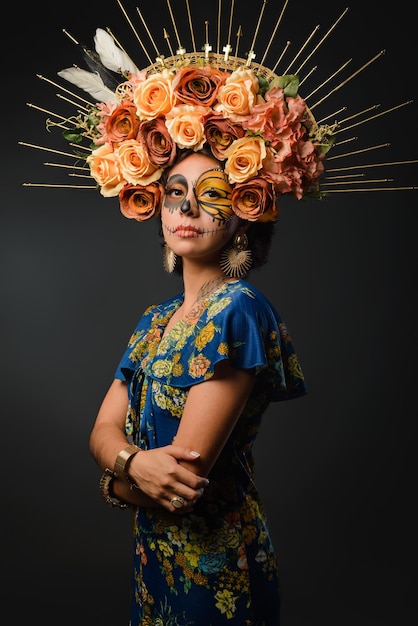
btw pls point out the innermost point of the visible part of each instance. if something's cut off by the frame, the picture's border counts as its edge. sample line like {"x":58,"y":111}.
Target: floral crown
{"x":253,"y":121}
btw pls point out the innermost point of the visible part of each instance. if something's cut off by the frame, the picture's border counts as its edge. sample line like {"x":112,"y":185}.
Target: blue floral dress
{"x":216,"y":565}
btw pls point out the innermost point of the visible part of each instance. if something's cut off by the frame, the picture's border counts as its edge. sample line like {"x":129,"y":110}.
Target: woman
{"x":189,"y":393}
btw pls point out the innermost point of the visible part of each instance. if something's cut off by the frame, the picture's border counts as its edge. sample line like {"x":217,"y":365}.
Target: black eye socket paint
{"x":176,"y":191}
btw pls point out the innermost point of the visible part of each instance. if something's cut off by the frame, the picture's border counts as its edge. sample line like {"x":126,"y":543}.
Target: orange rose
{"x":105,"y":170}
{"x":197,"y":85}
{"x":185,"y":125}
{"x":134,"y":163}
{"x":255,"y":200}
{"x":141,"y":202}
{"x":158,"y":142}
{"x":119,"y":123}
{"x":244,"y":158}
{"x":154,"y":97}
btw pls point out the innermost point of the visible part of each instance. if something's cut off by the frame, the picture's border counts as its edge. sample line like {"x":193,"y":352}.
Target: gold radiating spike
{"x":301,"y":50}
{"x":274,"y":32}
{"x":251,"y":53}
{"x":340,"y":69}
{"x":149,"y":34}
{"x":281,"y":56}
{"x":308,"y":75}
{"x":189,"y":15}
{"x":344,"y":82}
{"x":74,"y":104}
{"x":59,"y":186}
{"x":371,"y":189}
{"x":48,"y":80}
{"x":134,"y":30}
{"x":359,"y":182}
{"x":329,"y":31}
{"x":360,"y":151}
{"x":398,"y":106}
{"x":331,"y":115}
{"x":66,"y":166}
{"x":31,"y":145}
{"x":357,"y":167}
{"x":180,"y":50}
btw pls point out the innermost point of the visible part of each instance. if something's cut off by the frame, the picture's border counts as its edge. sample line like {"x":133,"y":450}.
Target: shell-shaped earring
{"x":169,"y":259}
{"x":236,"y":260}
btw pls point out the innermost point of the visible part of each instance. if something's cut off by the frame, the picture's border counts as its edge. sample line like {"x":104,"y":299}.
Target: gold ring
{"x":178,"y":502}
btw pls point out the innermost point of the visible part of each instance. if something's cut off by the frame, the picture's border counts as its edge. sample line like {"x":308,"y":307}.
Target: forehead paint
{"x":212,"y":192}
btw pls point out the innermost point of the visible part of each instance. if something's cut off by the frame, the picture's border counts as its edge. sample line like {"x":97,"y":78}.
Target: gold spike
{"x":75,"y":175}
{"x":191,"y":26}
{"x":308,"y":75}
{"x":59,"y":186}
{"x":340,"y":143}
{"x":207,"y":47}
{"x":180,"y":50}
{"x":228,"y":48}
{"x":351,"y":117}
{"x":343,"y":66}
{"x":322,"y":40}
{"x":321,"y":121}
{"x":48,"y":80}
{"x":274,"y":32}
{"x":251,"y":53}
{"x":281,"y":56}
{"x":346,"y":176}
{"x":70,"y":36}
{"x":64,"y":119}
{"x":340,"y":156}
{"x":377,"y":56}
{"x":134,"y":30}
{"x":148,"y":33}
{"x":360,"y":182}
{"x":356,"y":167}
{"x":371,"y":189}
{"x":31,"y":145}
{"x":301,"y":50}
{"x":218,"y":27}
{"x":239,"y":35}
{"x":373,"y":117}
{"x":75,"y":104}
{"x":167,"y":38}
{"x":72,"y":167}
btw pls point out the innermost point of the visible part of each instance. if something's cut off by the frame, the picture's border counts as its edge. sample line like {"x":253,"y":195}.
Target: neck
{"x":199,"y":281}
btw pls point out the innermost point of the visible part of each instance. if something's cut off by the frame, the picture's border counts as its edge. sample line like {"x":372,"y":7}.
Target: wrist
{"x":105,"y":484}
{"x":123,"y":461}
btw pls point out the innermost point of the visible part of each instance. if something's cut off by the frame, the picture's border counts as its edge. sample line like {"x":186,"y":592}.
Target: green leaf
{"x":289,"y":84}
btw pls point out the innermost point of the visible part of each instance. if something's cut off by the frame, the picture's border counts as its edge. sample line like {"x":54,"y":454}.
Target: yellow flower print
{"x":205,"y":336}
{"x":165,"y":547}
{"x":198,"y":366}
{"x":177,"y":367}
{"x":223,"y":348}
{"x":249,"y":533}
{"x":225,"y":602}
{"x":294,"y":366}
{"x":192,"y":555}
{"x":162,"y":367}
{"x":217,"y":307}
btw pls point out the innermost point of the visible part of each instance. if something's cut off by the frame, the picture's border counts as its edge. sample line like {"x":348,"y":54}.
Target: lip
{"x":187,"y":231}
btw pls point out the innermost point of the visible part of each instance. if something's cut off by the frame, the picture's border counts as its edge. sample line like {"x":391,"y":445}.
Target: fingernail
{"x":193,"y":453}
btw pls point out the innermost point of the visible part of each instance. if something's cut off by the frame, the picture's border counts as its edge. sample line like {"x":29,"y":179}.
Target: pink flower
{"x":118,"y":122}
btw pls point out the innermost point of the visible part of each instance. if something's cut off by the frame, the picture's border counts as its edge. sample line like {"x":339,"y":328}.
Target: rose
{"x":244,"y":158}
{"x":154,"y":97}
{"x":158,"y":142}
{"x":185,"y":125}
{"x":118,"y":122}
{"x":255,"y":200}
{"x":197,"y":85}
{"x":141,"y":202}
{"x":238,"y":95}
{"x":220,"y":133}
{"x":134,"y":163}
{"x":105,"y":170}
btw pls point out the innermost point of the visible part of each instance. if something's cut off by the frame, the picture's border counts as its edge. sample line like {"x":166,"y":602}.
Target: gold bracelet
{"x":123,"y":460}
{"x":105,"y":483}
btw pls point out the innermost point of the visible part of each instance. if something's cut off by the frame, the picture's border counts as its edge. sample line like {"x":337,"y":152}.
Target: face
{"x":197,"y":216}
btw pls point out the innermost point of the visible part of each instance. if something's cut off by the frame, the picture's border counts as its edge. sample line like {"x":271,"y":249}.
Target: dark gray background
{"x":337,"y":468}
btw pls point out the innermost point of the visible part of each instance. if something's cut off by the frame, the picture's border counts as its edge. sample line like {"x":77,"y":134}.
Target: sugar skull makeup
{"x":211,"y":190}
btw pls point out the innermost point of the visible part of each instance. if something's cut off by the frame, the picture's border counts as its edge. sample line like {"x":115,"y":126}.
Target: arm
{"x":210,"y":414}
{"x":158,"y":474}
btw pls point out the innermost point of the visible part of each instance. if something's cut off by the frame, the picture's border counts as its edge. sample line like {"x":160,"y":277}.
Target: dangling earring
{"x":236,"y":260}
{"x":169,"y":259}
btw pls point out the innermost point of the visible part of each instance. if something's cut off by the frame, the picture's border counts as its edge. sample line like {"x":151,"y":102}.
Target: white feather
{"x":89,"y":82}
{"x":111,"y":55}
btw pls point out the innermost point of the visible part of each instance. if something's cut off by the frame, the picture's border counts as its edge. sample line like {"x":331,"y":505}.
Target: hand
{"x":159,"y":475}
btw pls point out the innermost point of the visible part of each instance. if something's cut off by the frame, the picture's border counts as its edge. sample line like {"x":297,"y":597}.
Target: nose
{"x":185,"y":207}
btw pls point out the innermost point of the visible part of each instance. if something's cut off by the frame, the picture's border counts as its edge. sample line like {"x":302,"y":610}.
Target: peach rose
{"x":185,"y":125}
{"x":105,"y":170}
{"x":134,"y":163}
{"x":197,"y":85}
{"x":141,"y":202}
{"x":255,"y":200}
{"x":244,"y":159}
{"x":238,"y":95}
{"x":154,"y":97}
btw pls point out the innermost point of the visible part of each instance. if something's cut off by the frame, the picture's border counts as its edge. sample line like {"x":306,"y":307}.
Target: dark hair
{"x":259,"y":234}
